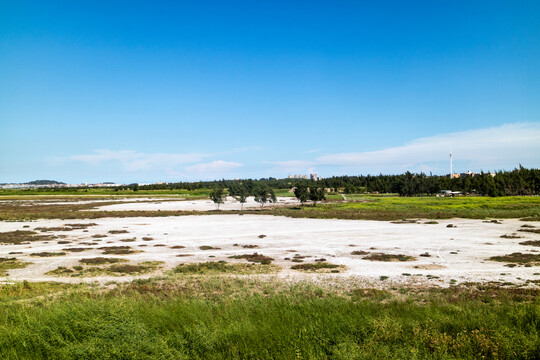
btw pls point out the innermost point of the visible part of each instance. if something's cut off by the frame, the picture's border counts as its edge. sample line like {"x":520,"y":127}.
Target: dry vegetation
{"x":388,"y":257}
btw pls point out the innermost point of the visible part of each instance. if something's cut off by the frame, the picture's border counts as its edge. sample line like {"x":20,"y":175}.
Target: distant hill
{"x":45,"y":182}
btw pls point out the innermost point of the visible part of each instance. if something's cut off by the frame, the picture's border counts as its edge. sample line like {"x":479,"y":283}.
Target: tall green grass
{"x":245,"y":319}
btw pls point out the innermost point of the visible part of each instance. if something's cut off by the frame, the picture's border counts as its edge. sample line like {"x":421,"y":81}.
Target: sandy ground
{"x":458,"y":253}
{"x":196,"y":205}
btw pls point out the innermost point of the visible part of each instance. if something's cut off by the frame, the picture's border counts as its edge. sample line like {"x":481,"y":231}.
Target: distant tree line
{"x":520,"y":181}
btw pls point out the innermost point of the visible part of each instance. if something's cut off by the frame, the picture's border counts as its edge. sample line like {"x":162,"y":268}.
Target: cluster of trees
{"x":303,"y":193}
{"x":520,"y":181}
{"x":262,"y":193}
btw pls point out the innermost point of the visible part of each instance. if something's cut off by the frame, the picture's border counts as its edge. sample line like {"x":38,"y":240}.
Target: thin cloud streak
{"x":218,"y":166}
{"x":136,"y":161}
{"x":497,"y":147}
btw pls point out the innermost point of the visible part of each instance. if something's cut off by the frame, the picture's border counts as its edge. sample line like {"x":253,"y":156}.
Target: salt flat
{"x":195,"y":205}
{"x":457,"y":253}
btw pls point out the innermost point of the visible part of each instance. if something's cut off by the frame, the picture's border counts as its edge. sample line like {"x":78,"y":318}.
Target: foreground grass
{"x":203,"y":317}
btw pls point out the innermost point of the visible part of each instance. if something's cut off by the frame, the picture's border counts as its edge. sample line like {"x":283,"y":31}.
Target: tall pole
{"x":451,"y":170}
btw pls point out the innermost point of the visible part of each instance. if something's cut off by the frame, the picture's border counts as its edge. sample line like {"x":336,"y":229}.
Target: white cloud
{"x":214,"y":167}
{"x":294,"y":166}
{"x":136,"y":161}
{"x":491,"y":148}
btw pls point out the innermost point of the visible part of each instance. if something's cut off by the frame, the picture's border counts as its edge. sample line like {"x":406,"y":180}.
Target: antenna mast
{"x":451,"y":169}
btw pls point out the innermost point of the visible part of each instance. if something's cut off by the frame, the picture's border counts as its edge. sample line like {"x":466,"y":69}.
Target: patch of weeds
{"x":527,"y":226}
{"x":48,"y":254}
{"x":530,"y":242}
{"x":148,"y":238}
{"x":221,"y":267}
{"x":184,"y":255}
{"x":101,"y":261}
{"x":99,"y":236}
{"x":406,"y":274}
{"x":19,"y":237}
{"x":383,"y":277}
{"x":159,"y":245}
{"x":534,"y":231}
{"x":117,"y":250}
{"x":80,"y":226}
{"x":128,"y":240}
{"x":511,"y":236}
{"x":250,"y":246}
{"x":76,"y":249}
{"x":11,"y":263}
{"x":208,"y":247}
{"x":320,"y":260}
{"x":453,"y":281}
{"x":492,"y":221}
{"x":388,"y":257}
{"x":178,"y":247}
{"x":404,"y":221}
{"x":518,"y":258}
{"x":315,"y":267}
{"x":453,"y":252}
{"x":255,"y":257}
{"x":140,"y":268}
{"x":114,"y":270}
{"x":63,"y":242}
{"x":118,"y":231}
{"x":431,"y":222}
{"x":360,"y":252}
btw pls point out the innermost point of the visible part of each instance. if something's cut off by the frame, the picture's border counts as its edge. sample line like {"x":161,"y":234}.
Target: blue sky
{"x":133,"y":91}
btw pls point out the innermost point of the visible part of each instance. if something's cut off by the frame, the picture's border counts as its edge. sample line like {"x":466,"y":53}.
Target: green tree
{"x":264,"y":194}
{"x":316,"y":194}
{"x":241,"y":195}
{"x":301,"y":193}
{"x":218,"y":196}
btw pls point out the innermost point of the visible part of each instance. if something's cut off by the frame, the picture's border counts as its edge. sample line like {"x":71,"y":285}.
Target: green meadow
{"x":224,"y":317}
